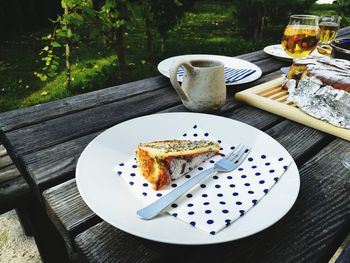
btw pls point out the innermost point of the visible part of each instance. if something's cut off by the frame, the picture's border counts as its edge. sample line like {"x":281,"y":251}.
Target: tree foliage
{"x":166,"y":13}
{"x":254,"y":16}
{"x":84,"y":21}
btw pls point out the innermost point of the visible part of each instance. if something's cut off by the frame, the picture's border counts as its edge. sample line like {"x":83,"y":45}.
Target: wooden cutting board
{"x":271,"y":97}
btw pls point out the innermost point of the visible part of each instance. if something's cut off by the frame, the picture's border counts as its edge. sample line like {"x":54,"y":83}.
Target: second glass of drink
{"x":329,"y":26}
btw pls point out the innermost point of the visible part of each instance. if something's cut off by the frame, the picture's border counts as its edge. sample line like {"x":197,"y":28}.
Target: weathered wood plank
{"x":271,"y":64}
{"x":78,"y":124}
{"x":301,"y":141}
{"x":8,"y":173}
{"x":56,"y":164}
{"x":5,"y":160}
{"x":39,"y":113}
{"x":68,"y":212}
{"x":118,"y":246}
{"x":13,"y":193}
{"x":307,"y":234}
{"x":2,"y":150}
{"x":254,"y":56}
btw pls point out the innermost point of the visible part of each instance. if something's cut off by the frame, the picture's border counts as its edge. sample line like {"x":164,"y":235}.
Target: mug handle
{"x":173,"y":77}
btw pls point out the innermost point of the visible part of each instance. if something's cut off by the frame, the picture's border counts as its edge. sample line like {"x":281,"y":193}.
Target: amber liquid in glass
{"x":328,"y":32}
{"x":299,"y":40}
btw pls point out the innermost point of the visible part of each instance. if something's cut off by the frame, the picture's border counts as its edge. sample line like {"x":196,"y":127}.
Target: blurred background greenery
{"x":67,"y":47}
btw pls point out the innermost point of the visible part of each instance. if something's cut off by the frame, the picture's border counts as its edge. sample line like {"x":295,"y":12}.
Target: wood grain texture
{"x":2,"y":150}
{"x":5,"y":160}
{"x":68,"y":212}
{"x":13,"y":193}
{"x":117,"y":246}
{"x":8,"y":173}
{"x":56,"y":164}
{"x":13,"y":188}
{"x":307,"y":233}
{"x":67,"y":127}
{"x":39,"y":113}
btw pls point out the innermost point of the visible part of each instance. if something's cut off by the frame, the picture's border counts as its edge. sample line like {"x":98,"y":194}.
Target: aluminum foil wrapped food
{"x":321,"y":88}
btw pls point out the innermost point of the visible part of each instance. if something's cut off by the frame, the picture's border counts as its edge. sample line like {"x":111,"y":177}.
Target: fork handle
{"x":158,"y":206}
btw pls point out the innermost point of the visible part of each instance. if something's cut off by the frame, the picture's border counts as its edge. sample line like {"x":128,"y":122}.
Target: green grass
{"x":208,"y":29}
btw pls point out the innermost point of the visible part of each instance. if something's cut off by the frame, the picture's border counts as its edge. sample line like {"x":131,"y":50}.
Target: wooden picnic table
{"x":45,"y":142}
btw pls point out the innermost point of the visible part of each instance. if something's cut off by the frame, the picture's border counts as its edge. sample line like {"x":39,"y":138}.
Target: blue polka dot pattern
{"x":219,"y":200}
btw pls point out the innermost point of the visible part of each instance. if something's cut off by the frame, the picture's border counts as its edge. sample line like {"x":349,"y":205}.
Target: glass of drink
{"x":329,"y":26}
{"x":300,"y":36}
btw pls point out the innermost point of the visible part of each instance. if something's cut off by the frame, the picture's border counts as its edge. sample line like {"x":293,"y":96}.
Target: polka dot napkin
{"x":218,"y":200}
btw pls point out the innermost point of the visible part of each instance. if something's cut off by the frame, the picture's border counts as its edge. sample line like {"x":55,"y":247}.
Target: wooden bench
{"x":14,"y":190}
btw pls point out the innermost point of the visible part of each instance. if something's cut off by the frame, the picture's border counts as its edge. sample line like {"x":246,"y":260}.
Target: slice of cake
{"x":163,"y":161}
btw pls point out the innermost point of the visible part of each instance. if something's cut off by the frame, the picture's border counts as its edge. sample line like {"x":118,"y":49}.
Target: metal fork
{"x":227,"y":164}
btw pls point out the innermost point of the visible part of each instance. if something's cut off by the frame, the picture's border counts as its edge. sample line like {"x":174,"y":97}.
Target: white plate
{"x":234,"y":63}
{"x":109,"y":197}
{"x":278,"y":52}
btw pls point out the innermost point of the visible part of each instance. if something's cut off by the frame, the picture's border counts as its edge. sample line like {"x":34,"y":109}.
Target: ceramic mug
{"x":203,"y":86}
